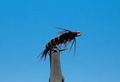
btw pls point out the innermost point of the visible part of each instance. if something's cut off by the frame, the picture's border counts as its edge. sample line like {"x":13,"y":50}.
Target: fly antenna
{"x":62,"y":29}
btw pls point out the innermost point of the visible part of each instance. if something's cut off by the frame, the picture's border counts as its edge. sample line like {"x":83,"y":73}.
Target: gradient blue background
{"x":27,"y":25}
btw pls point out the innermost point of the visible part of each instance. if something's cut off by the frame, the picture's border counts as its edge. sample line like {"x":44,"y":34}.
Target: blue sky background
{"x":27,"y":25}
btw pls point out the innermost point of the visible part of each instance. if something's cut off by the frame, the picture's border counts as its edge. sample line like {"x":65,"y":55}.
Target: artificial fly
{"x":64,"y":37}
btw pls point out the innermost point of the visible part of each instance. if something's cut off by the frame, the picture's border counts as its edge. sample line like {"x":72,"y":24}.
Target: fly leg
{"x":59,"y":46}
{"x":65,"y":44}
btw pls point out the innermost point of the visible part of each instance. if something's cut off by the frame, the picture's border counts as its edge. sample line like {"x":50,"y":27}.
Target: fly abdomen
{"x":52,"y":43}
{"x":57,"y":40}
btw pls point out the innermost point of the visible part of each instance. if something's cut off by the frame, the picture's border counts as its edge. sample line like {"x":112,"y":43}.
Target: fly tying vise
{"x":64,"y":37}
